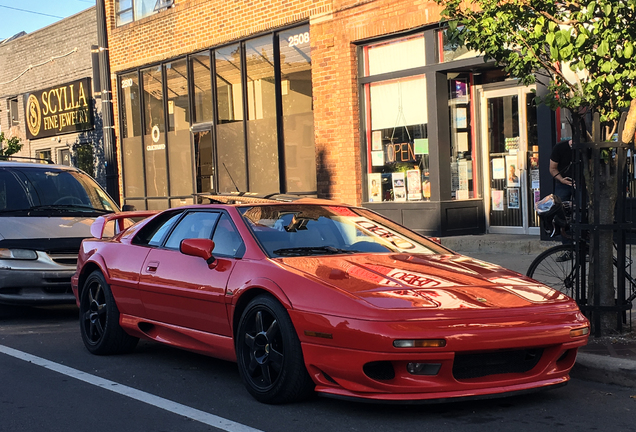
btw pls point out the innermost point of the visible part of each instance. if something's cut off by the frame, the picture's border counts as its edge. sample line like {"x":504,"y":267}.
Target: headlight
{"x":19,"y":254}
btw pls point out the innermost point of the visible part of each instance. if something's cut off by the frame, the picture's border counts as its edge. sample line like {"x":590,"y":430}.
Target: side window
{"x":158,"y":236}
{"x":227,"y":240}
{"x":154,"y":231}
{"x":193,"y":225}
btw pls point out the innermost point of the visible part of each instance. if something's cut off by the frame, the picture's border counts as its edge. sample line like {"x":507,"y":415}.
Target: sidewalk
{"x":608,"y":359}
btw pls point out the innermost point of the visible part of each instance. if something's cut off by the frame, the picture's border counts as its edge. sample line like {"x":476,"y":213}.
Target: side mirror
{"x":199,"y":248}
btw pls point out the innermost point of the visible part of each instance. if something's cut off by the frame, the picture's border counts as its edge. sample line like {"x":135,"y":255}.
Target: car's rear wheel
{"x":99,"y":319}
{"x":269,"y":355}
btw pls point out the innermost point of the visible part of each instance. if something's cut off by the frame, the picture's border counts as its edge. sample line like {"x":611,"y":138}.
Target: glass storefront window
{"x":202,"y":87}
{"x":298,"y":113}
{"x":447,"y":50}
{"x":130,"y":118}
{"x":262,"y":139}
{"x":463,"y":161}
{"x":232,"y":172}
{"x":381,"y":57}
{"x":154,"y":133}
{"x":179,"y":149}
{"x":198,"y":138}
{"x":397,"y":140}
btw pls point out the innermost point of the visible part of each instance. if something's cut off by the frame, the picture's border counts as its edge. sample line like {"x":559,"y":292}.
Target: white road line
{"x":150,"y":399}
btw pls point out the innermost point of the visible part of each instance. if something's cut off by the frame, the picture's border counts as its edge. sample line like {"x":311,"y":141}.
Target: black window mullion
{"x":282,"y":172}
{"x":245,"y":112}
{"x":190,"y":85}
{"x":215,"y":120}
{"x":166,"y":124}
{"x":142,"y":114}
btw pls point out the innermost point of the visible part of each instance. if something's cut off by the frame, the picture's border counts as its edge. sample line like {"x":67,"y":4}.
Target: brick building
{"x":50,"y":73}
{"x":364,"y":102}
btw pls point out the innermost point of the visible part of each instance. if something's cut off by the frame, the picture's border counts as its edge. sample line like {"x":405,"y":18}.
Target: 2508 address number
{"x":298,"y":39}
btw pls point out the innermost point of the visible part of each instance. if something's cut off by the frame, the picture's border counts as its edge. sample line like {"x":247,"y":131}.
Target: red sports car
{"x":310,"y":295}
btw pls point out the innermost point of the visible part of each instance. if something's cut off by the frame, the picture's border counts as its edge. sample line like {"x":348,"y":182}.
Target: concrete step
{"x":498,"y":243}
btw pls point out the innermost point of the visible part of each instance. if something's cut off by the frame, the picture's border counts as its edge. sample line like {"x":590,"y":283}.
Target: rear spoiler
{"x":97,"y":228}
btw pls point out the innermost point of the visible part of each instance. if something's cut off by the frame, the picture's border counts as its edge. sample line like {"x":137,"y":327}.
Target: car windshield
{"x":302,"y":229}
{"x":35,"y":189}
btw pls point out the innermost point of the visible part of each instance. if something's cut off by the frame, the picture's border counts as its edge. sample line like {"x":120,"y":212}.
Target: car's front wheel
{"x":99,"y":319}
{"x":269,"y":355}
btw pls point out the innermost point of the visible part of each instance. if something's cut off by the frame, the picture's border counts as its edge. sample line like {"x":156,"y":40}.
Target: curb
{"x":603,"y":369}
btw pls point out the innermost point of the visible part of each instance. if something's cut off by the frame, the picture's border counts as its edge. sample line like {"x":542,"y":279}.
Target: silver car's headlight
{"x":18,"y":254}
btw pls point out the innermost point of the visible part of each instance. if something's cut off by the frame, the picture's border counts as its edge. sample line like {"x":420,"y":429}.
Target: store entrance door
{"x":204,"y":159}
{"x":510,"y":155}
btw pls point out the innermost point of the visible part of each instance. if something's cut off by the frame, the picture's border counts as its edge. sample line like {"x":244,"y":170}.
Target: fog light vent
{"x":423,"y":368}
{"x":380,"y":370}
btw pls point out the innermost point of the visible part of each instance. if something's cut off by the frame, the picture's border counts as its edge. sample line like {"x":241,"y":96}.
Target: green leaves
{"x":628,"y":51}
{"x":13,"y":146}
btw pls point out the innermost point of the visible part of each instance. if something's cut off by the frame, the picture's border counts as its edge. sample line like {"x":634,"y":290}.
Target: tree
{"x":13,"y":146}
{"x":583,"y":51}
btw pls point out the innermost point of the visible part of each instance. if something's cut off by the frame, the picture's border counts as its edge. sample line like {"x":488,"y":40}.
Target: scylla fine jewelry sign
{"x":59,"y":110}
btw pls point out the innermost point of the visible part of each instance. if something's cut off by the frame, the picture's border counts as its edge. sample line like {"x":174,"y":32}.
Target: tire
{"x":269,"y":355}
{"x":99,"y":319}
{"x":556,"y":274}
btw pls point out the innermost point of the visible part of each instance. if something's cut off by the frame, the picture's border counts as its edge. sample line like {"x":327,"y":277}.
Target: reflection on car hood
{"x":44,"y":227}
{"x":401,"y":281}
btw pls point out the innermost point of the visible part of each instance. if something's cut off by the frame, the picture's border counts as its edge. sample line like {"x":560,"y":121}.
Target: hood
{"x":401,"y":281}
{"x":45,"y":227}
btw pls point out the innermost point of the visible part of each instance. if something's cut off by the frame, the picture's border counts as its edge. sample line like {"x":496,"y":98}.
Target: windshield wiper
{"x":62,"y":207}
{"x":22,"y":210}
{"x":312,"y":250}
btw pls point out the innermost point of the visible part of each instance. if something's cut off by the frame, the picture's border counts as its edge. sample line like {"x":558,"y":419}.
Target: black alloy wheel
{"x":99,"y":319}
{"x":269,"y":355}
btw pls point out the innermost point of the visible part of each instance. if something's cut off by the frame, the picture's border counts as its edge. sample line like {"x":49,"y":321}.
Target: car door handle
{"x":152,"y":266}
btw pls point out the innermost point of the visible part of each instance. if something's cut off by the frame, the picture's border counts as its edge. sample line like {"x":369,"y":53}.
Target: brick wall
{"x":335,"y":26}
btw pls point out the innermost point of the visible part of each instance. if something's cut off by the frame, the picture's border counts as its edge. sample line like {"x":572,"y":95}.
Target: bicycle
{"x":559,"y":266}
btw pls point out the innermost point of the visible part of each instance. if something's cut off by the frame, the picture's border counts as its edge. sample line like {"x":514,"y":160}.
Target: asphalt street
{"x":50,"y":382}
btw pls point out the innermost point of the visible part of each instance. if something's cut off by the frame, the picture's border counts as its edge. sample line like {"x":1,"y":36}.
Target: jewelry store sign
{"x":59,"y":110}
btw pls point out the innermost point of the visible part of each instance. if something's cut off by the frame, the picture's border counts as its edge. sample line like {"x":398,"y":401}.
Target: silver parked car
{"x":45,"y":212}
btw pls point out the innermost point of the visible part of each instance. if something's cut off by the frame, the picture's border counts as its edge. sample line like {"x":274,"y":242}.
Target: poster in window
{"x":537,"y":197}
{"x":462,"y":194}
{"x":497,"y":200}
{"x":399,"y":186}
{"x":462,"y":141}
{"x":513,"y":198}
{"x":513,"y":172}
{"x":462,"y":169}
{"x":459,"y":92}
{"x":376,"y":141}
{"x":534,"y":178}
{"x":375,"y":187}
{"x":461,"y":121}
{"x":421,"y":146}
{"x":498,"y":169}
{"x":377,"y":158}
{"x":414,"y":185}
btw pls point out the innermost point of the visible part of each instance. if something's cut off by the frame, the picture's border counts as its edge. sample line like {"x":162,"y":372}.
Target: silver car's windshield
{"x":301,"y":230}
{"x":31,"y":190}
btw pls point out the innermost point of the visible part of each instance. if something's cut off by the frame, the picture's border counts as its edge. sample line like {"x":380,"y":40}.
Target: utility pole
{"x":110,"y":150}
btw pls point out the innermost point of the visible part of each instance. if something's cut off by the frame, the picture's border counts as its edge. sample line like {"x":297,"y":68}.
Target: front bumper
{"x":360,"y":362}
{"x":37,"y":282}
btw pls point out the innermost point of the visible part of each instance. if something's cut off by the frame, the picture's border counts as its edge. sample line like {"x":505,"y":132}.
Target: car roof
{"x":17,"y":164}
